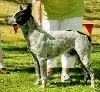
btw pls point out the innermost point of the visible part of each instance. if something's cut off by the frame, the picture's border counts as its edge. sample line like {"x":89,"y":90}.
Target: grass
{"x":22,"y":75}
{"x":21,"y":65}
{"x":92,"y":9}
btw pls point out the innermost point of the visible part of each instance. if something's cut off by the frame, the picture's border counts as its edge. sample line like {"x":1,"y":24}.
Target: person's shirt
{"x":62,"y":9}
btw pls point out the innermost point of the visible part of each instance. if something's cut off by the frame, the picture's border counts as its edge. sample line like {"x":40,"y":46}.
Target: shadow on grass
{"x":20,"y":49}
{"x":14,"y":1}
{"x":18,"y":1}
{"x":96,"y":48}
{"x":77,"y":72}
{"x":73,"y":83}
{"x":97,"y":75}
{"x":78,"y":79}
{"x":23,"y":70}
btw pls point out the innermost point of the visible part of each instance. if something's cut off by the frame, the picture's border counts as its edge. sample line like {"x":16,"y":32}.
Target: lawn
{"x":22,"y":74}
{"x":21,"y":65}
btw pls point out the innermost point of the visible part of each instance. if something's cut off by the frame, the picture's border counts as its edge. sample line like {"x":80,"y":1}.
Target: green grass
{"x":22,"y":74}
{"x":21,"y":65}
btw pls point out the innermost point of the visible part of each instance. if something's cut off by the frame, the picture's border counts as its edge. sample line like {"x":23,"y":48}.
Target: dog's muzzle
{"x":11,"y":20}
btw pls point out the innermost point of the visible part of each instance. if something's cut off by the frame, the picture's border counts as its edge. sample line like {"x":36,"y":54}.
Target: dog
{"x":44,"y":45}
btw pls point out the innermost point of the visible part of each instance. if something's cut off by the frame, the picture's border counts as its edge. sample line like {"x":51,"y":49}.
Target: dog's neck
{"x":31,"y":26}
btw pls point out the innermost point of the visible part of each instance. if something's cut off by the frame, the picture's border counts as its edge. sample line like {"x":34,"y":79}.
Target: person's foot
{"x":65,"y":78}
{"x":49,"y":77}
{"x":4,"y":71}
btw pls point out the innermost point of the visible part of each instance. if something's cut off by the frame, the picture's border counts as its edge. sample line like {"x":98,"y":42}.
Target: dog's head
{"x":20,"y":17}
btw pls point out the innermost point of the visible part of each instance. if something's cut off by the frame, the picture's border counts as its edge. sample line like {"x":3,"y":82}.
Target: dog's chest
{"x":36,"y":41}
{"x":33,"y":37}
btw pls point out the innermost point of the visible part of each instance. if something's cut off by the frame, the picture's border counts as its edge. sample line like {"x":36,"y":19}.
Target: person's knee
{"x":67,"y":61}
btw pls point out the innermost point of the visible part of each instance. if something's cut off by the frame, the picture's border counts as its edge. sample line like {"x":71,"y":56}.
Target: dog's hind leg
{"x":83,"y":68}
{"x":83,"y":48}
{"x":86,"y":64}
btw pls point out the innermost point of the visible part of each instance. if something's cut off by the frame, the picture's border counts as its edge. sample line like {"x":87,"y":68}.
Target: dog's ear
{"x":21,"y":7}
{"x":29,"y":6}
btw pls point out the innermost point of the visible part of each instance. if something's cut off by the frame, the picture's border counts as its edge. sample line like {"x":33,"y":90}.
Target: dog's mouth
{"x":15,"y":28}
{"x":12,"y":21}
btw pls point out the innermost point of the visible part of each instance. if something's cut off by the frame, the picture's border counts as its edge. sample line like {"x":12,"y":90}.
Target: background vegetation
{"x":21,"y":66}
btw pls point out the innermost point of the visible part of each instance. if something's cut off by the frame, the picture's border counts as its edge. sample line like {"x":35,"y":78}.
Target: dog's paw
{"x":38,"y":81}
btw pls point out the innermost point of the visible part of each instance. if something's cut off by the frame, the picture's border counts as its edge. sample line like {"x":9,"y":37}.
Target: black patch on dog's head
{"x":21,"y":7}
{"x":24,"y":15}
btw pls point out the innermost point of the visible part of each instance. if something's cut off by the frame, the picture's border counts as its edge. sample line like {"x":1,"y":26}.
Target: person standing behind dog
{"x":2,"y":65}
{"x":59,"y":15}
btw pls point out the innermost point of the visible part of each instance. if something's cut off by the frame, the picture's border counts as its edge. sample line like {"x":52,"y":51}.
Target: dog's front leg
{"x":38,"y":75}
{"x":37,"y":67}
{"x":43,"y":70}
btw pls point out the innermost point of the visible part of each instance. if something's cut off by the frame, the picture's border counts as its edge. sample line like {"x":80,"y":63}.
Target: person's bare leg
{"x":2,"y":65}
{"x":49,"y":73}
{"x":51,"y":64}
{"x":65,"y":70}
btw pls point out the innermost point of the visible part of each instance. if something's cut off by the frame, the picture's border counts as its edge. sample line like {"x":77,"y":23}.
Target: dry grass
{"x":95,"y":34}
{"x":8,"y":34}
{"x":7,"y":8}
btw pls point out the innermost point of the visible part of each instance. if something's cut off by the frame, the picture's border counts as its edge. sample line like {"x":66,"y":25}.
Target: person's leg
{"x":51,"y":63}
{"x":48,"y":25}
{"x":2,"y":65}
{"x":68,"y":61}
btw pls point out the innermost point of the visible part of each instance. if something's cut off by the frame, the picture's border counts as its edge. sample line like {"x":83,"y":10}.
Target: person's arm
{"x":37,"y":11}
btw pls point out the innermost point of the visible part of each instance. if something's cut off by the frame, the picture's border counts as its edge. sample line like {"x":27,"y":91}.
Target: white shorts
{"x":2,"y":65}
{"x":67,"y":24}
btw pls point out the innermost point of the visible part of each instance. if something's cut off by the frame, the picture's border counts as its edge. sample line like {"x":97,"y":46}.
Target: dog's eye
{"x":19,"y":14}
{"x":19,"y":18}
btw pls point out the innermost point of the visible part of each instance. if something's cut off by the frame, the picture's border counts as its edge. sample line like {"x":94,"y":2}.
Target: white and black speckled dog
{"x":46,"y":45}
